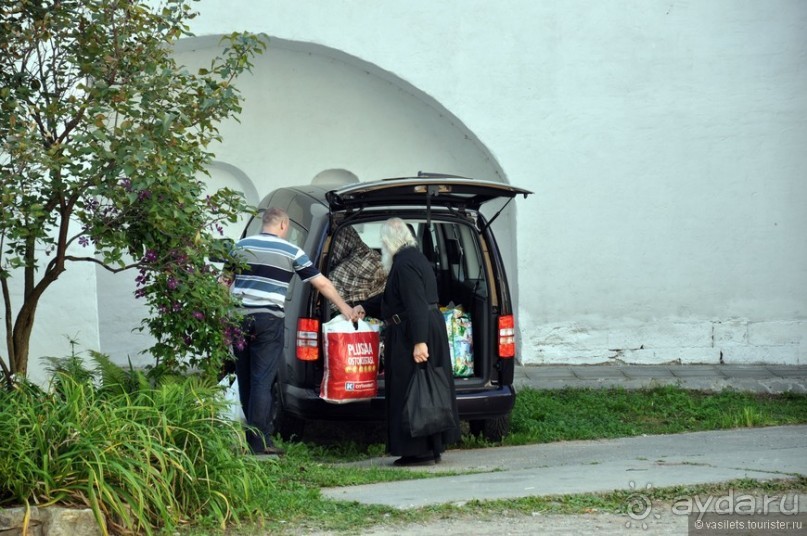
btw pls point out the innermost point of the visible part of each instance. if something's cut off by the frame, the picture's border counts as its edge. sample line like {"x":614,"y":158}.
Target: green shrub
{"x":142,"y":457}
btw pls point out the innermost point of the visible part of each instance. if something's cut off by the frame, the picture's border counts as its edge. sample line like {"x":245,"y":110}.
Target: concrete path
{"x":570,"y":467}
{"x":754,"y":378}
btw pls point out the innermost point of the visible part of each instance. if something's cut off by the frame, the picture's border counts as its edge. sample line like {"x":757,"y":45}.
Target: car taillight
{"x":307,"y":339}
{"x":507,"y":336}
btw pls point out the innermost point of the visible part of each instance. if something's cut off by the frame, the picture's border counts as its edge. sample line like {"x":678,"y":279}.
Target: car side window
{"x":370,"y":233}
{"x":254,"y":226}
{"x":464,"y":256}
{"x":297,"y":234}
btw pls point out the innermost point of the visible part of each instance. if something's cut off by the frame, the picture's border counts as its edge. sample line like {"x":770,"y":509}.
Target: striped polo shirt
{"x":272,"y":262}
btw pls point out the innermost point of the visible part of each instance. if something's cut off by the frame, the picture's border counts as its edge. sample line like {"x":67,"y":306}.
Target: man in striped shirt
{"x":260,"y":290}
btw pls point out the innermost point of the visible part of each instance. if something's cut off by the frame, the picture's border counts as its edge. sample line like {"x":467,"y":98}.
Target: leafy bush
{"x":141,"y":457}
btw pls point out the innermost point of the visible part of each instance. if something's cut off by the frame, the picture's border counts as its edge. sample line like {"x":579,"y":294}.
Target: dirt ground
{"x":660,"y":520}
{"x":663,"y":524}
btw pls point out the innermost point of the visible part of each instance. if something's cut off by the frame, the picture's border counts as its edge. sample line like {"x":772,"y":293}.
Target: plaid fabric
{"x":358,"y":273}
{"x":346,"y":243}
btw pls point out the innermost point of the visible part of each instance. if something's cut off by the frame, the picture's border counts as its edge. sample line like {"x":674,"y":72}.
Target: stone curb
{"x":49,"y":521}
{"x":752,"y":378}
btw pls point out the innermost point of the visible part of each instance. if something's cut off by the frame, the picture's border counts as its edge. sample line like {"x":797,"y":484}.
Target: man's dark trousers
{"x":256,"y":369}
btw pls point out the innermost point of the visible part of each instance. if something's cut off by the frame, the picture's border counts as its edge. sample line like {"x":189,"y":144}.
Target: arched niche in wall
{"x":309,"y":108}
{"x":225,"y":175}
{"x":335,"y":177}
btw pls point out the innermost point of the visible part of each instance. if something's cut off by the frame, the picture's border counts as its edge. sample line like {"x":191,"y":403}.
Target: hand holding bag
{"x":429,"y":408}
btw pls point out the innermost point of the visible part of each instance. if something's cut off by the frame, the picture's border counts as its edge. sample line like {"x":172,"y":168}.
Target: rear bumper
{"x":486,"y":404}
{"x":305,"y":403}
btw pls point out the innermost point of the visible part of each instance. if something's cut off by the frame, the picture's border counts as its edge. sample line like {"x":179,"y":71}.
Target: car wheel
{"x":287,"y":426}
{"x":494,"y":429}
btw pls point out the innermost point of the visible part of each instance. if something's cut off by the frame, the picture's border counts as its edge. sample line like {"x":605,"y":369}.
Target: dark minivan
{"x":443,"y":212}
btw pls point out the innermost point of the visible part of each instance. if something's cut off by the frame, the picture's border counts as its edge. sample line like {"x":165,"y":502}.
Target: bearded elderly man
{"x":415,"y":334}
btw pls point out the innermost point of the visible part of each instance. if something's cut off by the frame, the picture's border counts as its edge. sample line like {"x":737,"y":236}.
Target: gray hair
{"x":395,"y":234}
{"x":274,"y":216}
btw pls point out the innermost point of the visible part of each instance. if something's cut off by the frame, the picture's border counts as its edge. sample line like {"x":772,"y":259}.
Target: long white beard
{"x":386,"y":259}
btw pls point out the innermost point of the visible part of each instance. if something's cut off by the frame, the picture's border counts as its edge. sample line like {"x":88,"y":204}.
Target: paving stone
{"x":695,"y":372}
{"x":595,"y":372}
{"x":740,"y":371}
{"x":552,"y":373}
{"x":752,"y":378}
{"x":647,"y":371}
{"x":788,"y":371}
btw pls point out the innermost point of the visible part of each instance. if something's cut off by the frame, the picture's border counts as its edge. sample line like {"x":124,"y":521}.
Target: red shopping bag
{"x":351,"y":361}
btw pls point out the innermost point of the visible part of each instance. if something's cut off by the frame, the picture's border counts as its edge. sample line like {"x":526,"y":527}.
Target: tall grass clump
{"x":142,"y":457}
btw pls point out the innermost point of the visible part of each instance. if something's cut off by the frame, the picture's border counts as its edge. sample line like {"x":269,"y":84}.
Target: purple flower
{"x":172,"y":283}
{"x":84,"y":241}
{"x":144,"y":194}
{"x":198,"y":315}
{"x":151,"y":256}
{"x":126,"y":184}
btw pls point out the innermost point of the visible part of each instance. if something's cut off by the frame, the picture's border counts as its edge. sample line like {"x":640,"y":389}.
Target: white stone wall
{"x":67,"y":317}
{"x":664,"y":141}
{"x":647,"y":343}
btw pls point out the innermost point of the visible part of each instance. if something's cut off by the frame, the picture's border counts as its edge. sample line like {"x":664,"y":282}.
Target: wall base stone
{"x":732,"y":341}
{"x":49,"y":521}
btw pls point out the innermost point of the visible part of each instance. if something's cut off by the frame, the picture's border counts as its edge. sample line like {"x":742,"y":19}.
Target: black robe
{"x":411,"y":292}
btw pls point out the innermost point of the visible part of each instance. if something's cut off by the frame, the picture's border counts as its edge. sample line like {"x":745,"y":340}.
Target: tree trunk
{"x":21,"y":336}
{"x":9,"y":330}
{"x":24,"y":325}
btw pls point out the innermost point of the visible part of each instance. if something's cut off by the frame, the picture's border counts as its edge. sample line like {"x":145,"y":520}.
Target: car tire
{"x":494,"y":429}
{"x":287,"y":426}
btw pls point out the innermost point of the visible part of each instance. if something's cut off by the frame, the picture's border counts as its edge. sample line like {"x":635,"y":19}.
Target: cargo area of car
{"x":462,"y":267}
{"x":444,"y":214}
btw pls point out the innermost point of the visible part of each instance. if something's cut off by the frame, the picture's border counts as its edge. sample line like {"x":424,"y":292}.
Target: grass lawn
{"x":545,"y":416}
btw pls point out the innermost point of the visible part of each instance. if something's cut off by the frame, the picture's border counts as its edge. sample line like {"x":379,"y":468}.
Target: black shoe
{"x":413,"y":461}
{"x":273,"y":451}
{"x":269,"y":451}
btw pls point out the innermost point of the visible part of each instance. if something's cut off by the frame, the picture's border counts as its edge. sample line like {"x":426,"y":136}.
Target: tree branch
{"x":72,"y":124}
{"x":101,"y":263}
{"x":47,"y":136}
